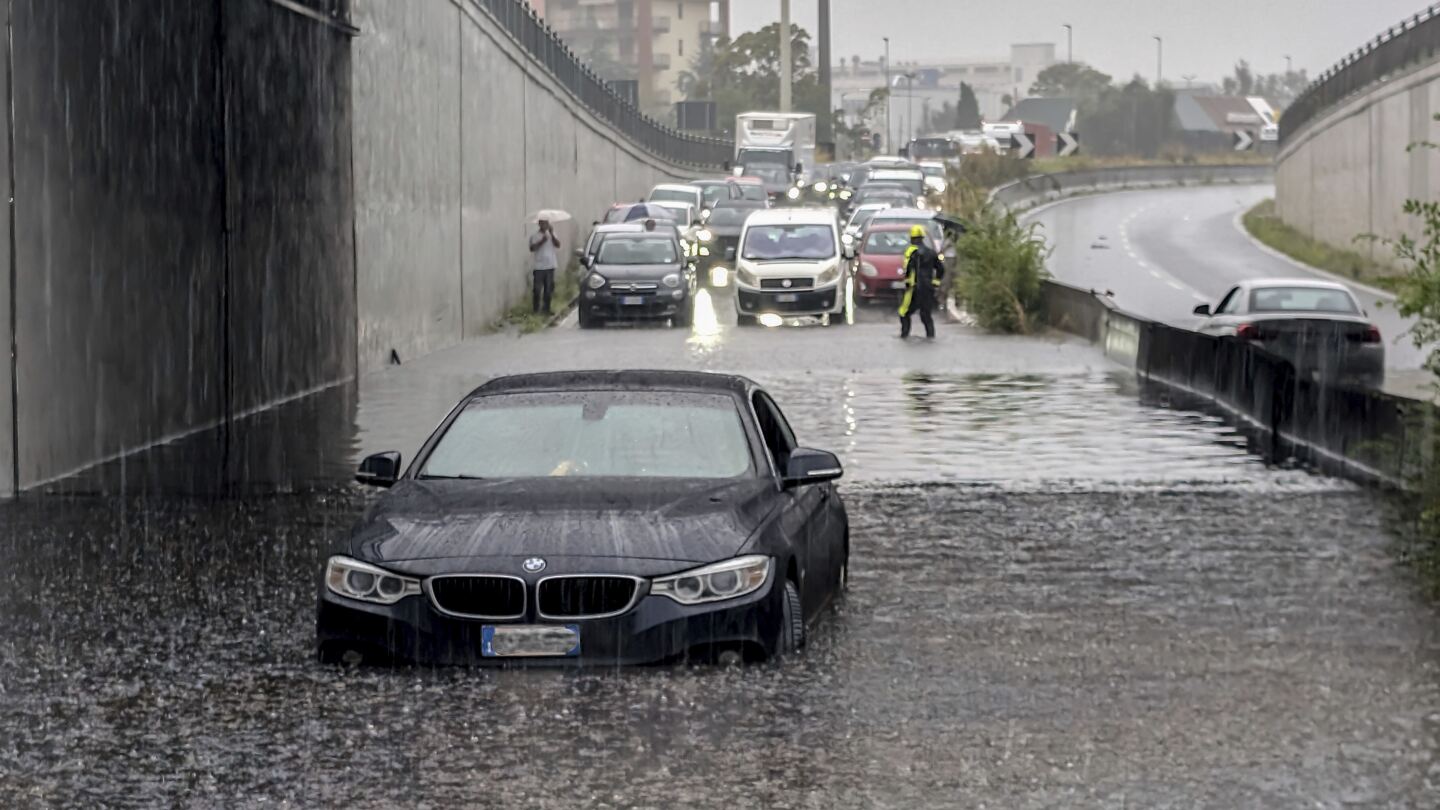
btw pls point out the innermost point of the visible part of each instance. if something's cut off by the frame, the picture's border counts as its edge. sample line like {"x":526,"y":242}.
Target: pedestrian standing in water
{"x":923,"y":273}
{"x":543,"y":250}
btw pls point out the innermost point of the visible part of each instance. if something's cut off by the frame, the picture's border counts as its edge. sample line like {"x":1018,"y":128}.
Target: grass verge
{"x":567,"y":286}
{"x":1263,"y":224}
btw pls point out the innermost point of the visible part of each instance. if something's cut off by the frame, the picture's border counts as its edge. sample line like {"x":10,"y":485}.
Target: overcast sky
{"x":1203,"y":37}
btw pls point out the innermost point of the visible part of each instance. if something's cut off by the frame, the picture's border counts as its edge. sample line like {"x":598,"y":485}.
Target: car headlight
{"x":358,"y":580}
{"x":705,"y":215}
{"x":793,"y":194}
{"x":704,"y":235}
{"x":847,"y":238}
{"x":595,"y":281}
{"x":712,"y":583}
{"x":746,"y":277}
{"x":672,"y":280}
{"x":828,"y":275}
{"x":704,"y":251}
{"x":846,"y":194}
{"x":821,"y":187}
{"x":868,"y":270}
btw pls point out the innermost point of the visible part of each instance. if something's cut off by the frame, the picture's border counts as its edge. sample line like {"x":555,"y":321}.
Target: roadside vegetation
{"x":1264,"y":224}
{"x":1002,"y":264}
{"x":519,"y":316}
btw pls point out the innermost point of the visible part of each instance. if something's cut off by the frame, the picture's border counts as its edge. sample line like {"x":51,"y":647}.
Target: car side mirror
{"x":729,"y":254}
{"x":811,"y":467}
{"x":580,"y":254}
{"x":379,"y":470}
{"x":1203,"y":309}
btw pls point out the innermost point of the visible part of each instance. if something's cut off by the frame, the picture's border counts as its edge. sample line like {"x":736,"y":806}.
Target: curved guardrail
{"x":541,"y":42}
{"x":1412,"y":42}
{"x":1041,"y":188}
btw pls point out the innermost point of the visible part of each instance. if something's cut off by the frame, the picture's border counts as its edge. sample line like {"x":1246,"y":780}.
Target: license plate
{"x":522,"y":640}
{"x":897,"y":285}
{"x":632,"y":301}
{"x":786,"y":298}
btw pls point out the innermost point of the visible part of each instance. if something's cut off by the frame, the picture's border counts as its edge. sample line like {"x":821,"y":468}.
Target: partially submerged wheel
{"x":792,"y":633}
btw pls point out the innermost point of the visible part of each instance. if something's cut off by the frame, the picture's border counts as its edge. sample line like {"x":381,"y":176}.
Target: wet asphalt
{"x":1063,"y":595}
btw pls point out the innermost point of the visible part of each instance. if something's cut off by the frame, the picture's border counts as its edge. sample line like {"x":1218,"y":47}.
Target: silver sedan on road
{"x":1316,"y":325}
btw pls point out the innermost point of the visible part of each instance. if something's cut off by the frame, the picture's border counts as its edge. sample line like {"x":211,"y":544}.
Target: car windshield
{"x":715,"y":193}
{"x":672,"y":195}
{"x":933,"y":171}
{"x":770,"y":172}
{"x":887,"y":243}
{"x":637,"y":250}
{"x":751,"y":191}
{"x":914,"y":182}
{"x":675,"y":213}
{"x":862,"y":217}
{"x":931,"y":227}
{"x":594,"y":434}
{"x":773,"y":242}
{"x":1301,"y":299}
{"x":725,"y":215}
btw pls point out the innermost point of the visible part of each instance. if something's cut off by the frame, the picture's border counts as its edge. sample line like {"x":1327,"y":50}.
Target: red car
{"x":880,"y":262}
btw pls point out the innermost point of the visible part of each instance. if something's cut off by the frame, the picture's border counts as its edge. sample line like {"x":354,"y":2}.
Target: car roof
{"x":620,"y":227}
{"x":792,"y":216}
{"x":628,"y":379}
{"x":674,"y":187}
{"x":1313,"y":283}
{"x":904,"y":213}
{"x":898,"y":227}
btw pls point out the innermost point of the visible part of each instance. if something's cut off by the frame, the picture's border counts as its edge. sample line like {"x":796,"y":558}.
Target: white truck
{"x":769,"y":145}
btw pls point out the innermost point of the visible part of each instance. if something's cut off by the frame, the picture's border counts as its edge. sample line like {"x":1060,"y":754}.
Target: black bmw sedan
{"x":612,"y":517}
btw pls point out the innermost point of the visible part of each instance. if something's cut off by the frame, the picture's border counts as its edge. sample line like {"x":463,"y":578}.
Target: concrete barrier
{"x":459,"y":135}
{"x":1039,"y":189}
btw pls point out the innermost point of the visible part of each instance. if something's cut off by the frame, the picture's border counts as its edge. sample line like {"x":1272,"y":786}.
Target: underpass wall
{"x":182,"y":216}
{"x":459,"y":135}
{"x":1348,"y":173}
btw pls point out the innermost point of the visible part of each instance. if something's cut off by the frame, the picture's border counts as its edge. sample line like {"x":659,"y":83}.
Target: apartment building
{"x":650,"y":41}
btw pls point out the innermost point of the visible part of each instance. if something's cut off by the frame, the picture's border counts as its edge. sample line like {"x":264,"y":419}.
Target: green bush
{"x":1001,"y":265}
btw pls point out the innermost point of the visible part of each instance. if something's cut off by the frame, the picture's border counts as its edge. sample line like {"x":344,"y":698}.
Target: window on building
{"x":680,"y":12}
{"x":680,"y":45}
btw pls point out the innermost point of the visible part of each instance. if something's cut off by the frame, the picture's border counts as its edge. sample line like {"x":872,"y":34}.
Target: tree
{"x":744,"y":74}
{"x":1075,"y":80}
{"x":1242,"y":83}
{"x":1131,"y":120}
{"x":967,"y":112}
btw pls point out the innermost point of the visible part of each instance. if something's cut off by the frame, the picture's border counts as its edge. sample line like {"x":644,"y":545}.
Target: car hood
{"x":636,"y":272}
{"x":887,"y":263}
{"x":657,"y":519}
{"x":788,"y":269}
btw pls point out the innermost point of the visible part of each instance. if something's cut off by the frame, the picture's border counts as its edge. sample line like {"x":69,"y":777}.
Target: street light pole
{"x":889,"y":137}
{"x":1288,"y":65}
{"x":785,"y":65}
{"x":1159,"y":61}
{"x":1069,"y":43}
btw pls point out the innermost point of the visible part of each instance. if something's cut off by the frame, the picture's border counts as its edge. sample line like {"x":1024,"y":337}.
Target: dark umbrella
{"x":647,"y":211}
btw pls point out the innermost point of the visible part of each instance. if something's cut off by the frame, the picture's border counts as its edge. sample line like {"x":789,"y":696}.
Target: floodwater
{"x":1060,"y":597}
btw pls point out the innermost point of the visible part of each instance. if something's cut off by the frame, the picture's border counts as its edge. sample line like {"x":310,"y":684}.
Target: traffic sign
{"x":1024,"y":147}
{"x":1066,"y":143}
{"x":1243,"y":140}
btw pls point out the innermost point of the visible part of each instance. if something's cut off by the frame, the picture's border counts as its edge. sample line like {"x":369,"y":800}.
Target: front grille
{"x":575,"y":597}
{"x":485,"y":597}
{"x":633,"y":286}
{"x":786,"y":283}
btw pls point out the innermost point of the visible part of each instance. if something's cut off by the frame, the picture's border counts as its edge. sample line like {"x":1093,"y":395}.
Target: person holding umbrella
{"x":544,"y":247}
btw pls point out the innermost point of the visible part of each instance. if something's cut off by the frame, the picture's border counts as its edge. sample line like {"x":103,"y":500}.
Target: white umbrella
{"x":552,"y":215}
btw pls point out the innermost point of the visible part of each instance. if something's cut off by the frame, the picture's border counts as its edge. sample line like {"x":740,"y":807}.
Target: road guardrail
{"x":1042,"y":188}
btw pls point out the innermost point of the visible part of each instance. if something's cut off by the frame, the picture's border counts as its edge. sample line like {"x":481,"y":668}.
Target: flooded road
{"x":1060,"y":597}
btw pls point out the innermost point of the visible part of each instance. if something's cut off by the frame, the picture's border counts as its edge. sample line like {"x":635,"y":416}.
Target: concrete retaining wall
{"x":1350,"y":171}
{"x":182,"y":219}
{"x":1043,"y":188}
{"x":459,"y":135}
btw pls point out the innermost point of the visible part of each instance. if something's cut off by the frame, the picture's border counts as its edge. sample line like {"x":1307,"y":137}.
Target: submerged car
{"x":1317,"y":325}
{"x":607,"y":517}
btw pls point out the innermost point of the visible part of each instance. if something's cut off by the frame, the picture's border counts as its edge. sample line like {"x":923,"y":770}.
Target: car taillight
{"x":1372,"y":334}
{"x":1247,"y":331}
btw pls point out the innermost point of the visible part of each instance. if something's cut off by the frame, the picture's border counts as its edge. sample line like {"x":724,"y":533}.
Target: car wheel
{"x":685,"y":317}
{"x":792,"y":634}
{"x":588,"y":321}
{"x":844,"y":582}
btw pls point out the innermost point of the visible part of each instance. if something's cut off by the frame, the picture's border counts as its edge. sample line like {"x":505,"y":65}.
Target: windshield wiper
{"x":428,"y":477}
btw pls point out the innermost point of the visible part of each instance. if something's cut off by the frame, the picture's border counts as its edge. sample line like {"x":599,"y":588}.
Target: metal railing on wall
{"x":1410,"y":43}
{"x":541,"y":42}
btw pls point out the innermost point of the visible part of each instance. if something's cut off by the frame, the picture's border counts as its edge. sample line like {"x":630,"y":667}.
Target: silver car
{"x":1316,"y":325}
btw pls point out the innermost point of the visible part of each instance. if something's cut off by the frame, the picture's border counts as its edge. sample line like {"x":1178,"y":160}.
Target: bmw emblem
{"x":535,"y":565}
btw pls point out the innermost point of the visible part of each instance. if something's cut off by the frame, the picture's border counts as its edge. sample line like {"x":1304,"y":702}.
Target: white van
{"x":789,"y":263}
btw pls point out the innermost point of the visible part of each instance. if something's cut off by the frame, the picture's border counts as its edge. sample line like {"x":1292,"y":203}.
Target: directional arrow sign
{"x":1066,"y":143}
{"x":1243,"y":140}
{"x":1024,"y":147}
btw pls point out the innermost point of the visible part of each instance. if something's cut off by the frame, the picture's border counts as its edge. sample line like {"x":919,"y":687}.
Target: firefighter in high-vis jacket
{"x":923,"y":274}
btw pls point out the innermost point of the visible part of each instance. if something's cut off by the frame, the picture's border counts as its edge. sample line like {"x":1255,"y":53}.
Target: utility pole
{"x":786,"y":68}
{"x":910,"y":106}
{"x":1069,"y":43}
{"x":1159,"y":61}
{"x":827,"y":131}
{"x":889,"y":136}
